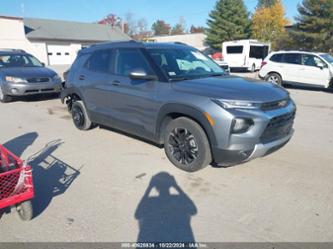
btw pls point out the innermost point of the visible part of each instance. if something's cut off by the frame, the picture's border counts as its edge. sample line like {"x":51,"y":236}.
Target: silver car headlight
{"x":237,"y":104}
{"x":56,"y":78}
{"x":15,"y":79}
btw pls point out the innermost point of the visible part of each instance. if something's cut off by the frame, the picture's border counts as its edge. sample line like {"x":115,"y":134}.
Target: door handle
{"x":82,"y":77}
{"x":116,"y":83}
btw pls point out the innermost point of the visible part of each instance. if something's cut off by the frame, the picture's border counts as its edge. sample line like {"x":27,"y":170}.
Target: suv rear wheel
{"x":80,"y":116}
{"x":274,"y":78}
{"x":4,"y":98}
{"x":186,"y":145}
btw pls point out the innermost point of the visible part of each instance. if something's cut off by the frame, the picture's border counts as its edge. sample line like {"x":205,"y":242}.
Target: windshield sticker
{"x":199,"y":56}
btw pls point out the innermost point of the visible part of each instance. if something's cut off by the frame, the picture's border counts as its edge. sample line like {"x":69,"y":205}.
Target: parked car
{"x":218,"y":58}
{"x":245,"y":54}
{"x":298,"y":67}
{"x":22,"y":74}
{"x":172,"y":94}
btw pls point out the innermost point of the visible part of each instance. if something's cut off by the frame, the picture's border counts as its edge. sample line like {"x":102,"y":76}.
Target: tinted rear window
{"x":235,"y":50}
{"x":277,"y":58}
{"x":292,"y":59}
{"x":100,"y":61}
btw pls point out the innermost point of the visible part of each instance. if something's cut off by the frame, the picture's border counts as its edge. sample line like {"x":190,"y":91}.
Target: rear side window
{"x":99,"y":61}
{"x":276,"y":58}
{"x":292,"y":59}
{"x":257,"y":52}
{"x":129,"y":60}
{"x":235,"y":50}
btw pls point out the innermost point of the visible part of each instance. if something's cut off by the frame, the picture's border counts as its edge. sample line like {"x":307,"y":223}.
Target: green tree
{"x":160,"y":27}
{"x":229,"y":20}
{"x":265,"y":3}
{"x":179,"y":28}
{"x":314,"y":25}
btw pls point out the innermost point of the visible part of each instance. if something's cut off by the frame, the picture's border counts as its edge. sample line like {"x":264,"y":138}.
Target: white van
{"x":245,"y":54}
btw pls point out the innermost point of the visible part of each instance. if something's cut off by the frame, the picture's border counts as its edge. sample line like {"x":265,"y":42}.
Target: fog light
{"x":14,"y":91}
{"x":241,"y":125}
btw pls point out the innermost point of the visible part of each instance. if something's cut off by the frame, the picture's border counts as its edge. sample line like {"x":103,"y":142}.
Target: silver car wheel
{"x":273,"y":79}
{"x":1,"y":94}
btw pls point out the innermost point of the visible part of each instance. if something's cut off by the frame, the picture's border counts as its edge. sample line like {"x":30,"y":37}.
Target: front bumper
{"x":23,"y":89}
{"x":231,"y":157}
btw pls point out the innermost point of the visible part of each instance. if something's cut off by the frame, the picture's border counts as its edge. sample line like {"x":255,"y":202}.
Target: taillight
{"x":263,"y":64}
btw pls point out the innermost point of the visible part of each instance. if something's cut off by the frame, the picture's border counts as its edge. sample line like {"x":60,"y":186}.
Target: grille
{"x":278,"y":127}
{"x":38,"y":80}
{"x":274,"y":105}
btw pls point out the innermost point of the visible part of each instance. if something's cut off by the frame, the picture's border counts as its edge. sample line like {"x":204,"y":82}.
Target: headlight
{"x":56,"y":78}
{"x":233,"y":104}
{"x":15,"y":79}
{"x":241,"y":125}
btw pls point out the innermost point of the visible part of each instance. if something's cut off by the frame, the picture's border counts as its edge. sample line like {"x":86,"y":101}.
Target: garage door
{"x":59,"y":54}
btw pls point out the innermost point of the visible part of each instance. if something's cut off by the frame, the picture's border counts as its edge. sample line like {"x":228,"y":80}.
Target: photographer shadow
{"x":165,"y":216}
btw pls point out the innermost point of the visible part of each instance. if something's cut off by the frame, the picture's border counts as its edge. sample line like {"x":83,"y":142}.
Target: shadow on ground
{"x":51,"y":176}
{"x":166,"y":215}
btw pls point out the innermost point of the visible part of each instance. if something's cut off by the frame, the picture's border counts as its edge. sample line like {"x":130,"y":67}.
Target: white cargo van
{"x":245,"y":54}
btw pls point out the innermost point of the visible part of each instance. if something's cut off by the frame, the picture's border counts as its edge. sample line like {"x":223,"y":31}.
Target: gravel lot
{"x":286,"y":196}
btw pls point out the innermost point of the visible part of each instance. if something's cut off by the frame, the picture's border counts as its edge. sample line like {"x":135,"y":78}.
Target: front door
{"x":133,"y":101}
{"x":315,"y":71}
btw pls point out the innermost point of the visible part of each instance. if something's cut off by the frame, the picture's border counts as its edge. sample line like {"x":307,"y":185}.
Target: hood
{"x":28,"y":72}
{"x":232,"y":88}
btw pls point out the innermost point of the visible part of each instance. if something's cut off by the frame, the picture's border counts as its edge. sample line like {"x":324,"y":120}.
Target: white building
{"x":53,"y":42}
{"x":196,"y":40}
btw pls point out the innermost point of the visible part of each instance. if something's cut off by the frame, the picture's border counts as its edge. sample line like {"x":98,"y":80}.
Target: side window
{"x":312,"y":61}
{"x":99,"y":61}
{"x":276,"y":58}
{"x":257,"y":52}
{"x":292,"y":59}
{"x":235,"y":50}
{"x":129,"y":60}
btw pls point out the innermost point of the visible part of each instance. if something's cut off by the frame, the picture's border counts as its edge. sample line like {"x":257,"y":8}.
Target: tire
{"x":186,"y":145}
{"x":274,"y":78}
{"x":4,"y":98}
{"x":25,"y":210}
{"x":80,"y":117}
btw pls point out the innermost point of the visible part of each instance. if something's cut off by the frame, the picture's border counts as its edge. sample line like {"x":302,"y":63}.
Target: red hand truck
{"x":16,"y":185}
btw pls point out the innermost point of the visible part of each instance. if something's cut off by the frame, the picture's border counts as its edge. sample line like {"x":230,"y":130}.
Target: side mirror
{"x":141,"y":75}
{"x":43,"y":64}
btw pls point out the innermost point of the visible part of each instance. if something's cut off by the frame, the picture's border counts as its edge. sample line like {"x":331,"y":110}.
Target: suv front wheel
{"x":186,"y":145}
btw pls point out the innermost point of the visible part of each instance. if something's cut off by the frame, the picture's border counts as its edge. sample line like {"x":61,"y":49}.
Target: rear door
{"x":315,"y":70}
{"x":234,"y":55}
{"x":291,"y":67}
{"x":95,"y":81}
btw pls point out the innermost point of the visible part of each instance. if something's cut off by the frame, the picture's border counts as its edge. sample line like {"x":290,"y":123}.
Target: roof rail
{"x":11,"y":50}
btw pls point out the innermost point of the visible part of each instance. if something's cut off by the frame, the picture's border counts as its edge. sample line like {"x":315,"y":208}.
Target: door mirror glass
{"x":141,"y":75}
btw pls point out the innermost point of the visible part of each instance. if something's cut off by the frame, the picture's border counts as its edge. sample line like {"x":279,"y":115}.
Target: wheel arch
{"x":270,"y":72}
{"x":172,"y":111}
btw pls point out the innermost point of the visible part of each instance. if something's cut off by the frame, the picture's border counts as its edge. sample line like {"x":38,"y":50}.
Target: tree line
{"x":230,"y":20}
{"x":312,"y":30}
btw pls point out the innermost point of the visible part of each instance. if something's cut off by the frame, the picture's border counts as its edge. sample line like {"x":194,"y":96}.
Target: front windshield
{"x":328,"y":58}
{"x":184,"y":63}
{"x":19,"y":60}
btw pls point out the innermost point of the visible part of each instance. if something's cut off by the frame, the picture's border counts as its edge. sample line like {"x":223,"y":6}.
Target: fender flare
{"x":185,"y":111}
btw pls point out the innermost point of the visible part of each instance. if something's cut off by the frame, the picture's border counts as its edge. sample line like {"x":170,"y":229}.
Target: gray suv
{"x":22,"y":74}
{"x":173,"y":95}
